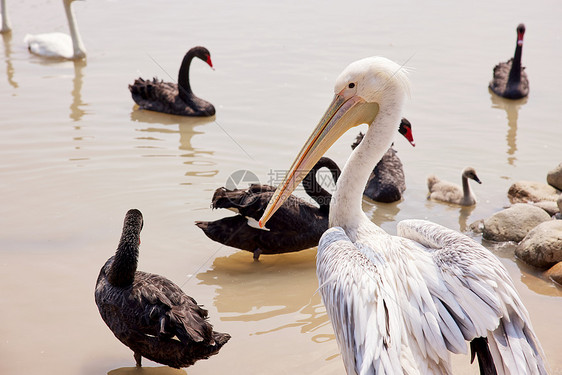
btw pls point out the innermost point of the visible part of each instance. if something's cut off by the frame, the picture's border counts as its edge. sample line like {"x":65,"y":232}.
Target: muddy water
{"x":75,"y":155}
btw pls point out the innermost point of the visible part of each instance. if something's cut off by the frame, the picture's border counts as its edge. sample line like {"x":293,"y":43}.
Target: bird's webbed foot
{"x":257,"y":253}
{"x":138,"y":358}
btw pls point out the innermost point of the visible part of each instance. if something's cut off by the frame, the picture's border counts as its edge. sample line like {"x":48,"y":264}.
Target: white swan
{"x":6,"y":26}
{"x":452,"y":193}
{"x":401,"y":304}
{"x":59,"y":45}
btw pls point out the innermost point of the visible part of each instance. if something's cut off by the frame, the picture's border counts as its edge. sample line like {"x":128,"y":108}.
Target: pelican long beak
{"x":342,"y":114}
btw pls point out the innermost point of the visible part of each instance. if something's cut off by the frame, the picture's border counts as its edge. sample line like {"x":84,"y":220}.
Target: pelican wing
{"x":473,"y":293}
{"x":363,"y":316}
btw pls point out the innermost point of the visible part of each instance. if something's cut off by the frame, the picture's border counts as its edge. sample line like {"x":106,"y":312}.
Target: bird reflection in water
{"x":511,"y":107}
{"x":7,"y":39}
{"x":463,"y":211}
{"x":158,"y":123}
{"x":76,"y":107}
{"x":381,"y":213}
{"x":464,"y":214}
{"x":282,"y":285}
{"x":160,"y":370}
{"x":186,"y":126}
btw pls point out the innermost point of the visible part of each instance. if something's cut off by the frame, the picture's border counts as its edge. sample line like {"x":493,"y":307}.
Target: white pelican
{"x":6,"y":27}
{"x":401,"y":304}
{"x":59,"y":45}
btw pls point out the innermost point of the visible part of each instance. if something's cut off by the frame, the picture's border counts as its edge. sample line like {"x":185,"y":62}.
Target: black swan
{"x":510,"y":79}
{"x":387,"y":183}
{"x":452,"y":193}
{"x":149,"y":313}
{"x":175,"y":99}
{"x":298,"y":225}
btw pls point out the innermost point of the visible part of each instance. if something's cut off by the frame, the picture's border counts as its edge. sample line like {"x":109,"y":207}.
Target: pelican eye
{"x":351,"y":85}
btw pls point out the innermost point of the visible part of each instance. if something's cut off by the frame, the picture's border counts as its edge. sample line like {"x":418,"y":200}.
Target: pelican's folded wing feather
{"x":364,"y":318}
{"x":474,"y":290}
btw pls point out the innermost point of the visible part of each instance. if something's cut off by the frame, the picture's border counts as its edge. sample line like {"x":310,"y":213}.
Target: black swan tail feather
{"x":231,"y":231}
{"x":479,"y":348}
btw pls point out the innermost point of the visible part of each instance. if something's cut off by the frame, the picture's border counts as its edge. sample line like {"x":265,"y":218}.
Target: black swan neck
{"x":183,"y":76}
{"x":515,"y":72}
{"x":314,"y":189}
{"x":124,"y":266}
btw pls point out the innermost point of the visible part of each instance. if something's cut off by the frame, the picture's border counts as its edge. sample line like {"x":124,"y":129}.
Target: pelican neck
{"x":346,"y":206}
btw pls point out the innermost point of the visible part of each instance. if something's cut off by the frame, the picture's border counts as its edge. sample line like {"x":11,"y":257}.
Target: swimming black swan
{"x":510,"y":79}
{"x":175,"y":99}
{"x":387,"y":183}
{"x":298,"y":225}
{"x":149,"y":313}
{"x":452,"y":193}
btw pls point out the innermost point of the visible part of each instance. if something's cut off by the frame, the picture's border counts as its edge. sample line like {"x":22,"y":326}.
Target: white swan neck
{"x":77,"y":45}
{"x":5,"y":20}
{"x":346,"y":207}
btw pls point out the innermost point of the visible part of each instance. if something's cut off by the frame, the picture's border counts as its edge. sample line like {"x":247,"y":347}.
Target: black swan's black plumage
{"x":510,"y":79}
{"x":149,"y":313}
{"x":387,"y":182}
{"x":296,"y":226}
{"x":479,"y":347}
{"x":172,"y":98}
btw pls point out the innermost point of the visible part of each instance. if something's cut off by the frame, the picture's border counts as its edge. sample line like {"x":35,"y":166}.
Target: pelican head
{"x":371,"y":79}
{"x":361,"y":90}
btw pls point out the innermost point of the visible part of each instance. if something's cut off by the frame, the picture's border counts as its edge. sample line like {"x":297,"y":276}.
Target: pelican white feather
{"x":56,"y":44}
{"x":402,"y":304}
